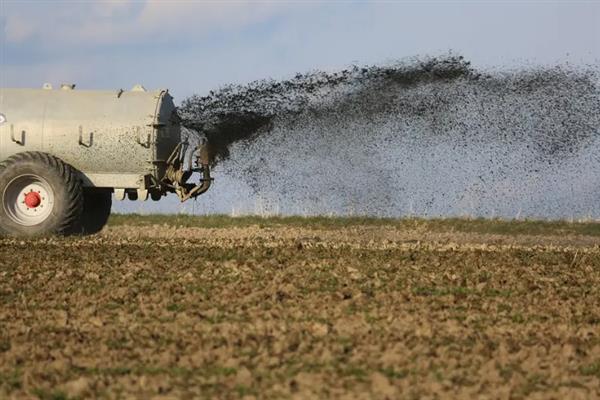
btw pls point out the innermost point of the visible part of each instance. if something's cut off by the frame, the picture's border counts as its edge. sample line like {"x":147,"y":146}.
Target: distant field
{"x":250,"y":307}
{"x":478,"y":225}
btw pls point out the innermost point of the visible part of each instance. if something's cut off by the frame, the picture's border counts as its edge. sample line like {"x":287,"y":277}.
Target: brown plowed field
{"x":276,"y":308}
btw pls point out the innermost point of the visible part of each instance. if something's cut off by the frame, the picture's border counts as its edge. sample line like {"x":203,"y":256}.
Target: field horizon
{"x":588,"y":226}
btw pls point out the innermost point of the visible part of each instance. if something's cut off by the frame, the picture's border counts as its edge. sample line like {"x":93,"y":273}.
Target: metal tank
{"x":106,"y":141}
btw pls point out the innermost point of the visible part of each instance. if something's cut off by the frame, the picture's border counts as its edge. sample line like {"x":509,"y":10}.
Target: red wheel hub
{"x":32,"y":199}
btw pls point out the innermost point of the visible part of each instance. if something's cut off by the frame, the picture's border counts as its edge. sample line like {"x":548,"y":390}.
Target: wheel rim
{"x":28,"y":200}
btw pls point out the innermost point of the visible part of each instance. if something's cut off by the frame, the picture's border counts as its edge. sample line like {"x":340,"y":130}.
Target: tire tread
{"x":69,"y":176}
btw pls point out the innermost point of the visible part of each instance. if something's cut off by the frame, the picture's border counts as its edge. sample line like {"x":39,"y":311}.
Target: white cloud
{"x":19,"y":29}
{"x":111,"y":8}
{"x":129,"y":22}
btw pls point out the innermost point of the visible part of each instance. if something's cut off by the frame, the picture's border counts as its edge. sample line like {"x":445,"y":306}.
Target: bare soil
{"x":276,"y":310}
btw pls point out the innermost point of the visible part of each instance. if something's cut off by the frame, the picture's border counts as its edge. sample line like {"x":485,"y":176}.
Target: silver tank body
{"x":116,"y":139}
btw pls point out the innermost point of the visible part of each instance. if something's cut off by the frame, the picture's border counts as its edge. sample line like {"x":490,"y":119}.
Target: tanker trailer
{"x":64,"y":152}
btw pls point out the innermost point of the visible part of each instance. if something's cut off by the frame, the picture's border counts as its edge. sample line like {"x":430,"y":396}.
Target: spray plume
{"x":429,"y":137}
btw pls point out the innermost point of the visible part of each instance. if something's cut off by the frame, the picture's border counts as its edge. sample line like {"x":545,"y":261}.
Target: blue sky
{"x":194,"y":46}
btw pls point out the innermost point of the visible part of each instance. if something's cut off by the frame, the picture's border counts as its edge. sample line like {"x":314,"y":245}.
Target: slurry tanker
{"x":65,"y":152}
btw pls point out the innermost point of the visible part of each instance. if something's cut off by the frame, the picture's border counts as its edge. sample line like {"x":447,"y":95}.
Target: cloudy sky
{"x":193,"y":46}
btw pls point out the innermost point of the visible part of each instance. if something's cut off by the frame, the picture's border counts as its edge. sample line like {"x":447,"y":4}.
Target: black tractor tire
{"x":59,"y":199}
{"x":96,"y":210}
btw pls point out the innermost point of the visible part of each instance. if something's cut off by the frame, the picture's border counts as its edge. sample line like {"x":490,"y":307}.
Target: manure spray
{"x":429,"y":137}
